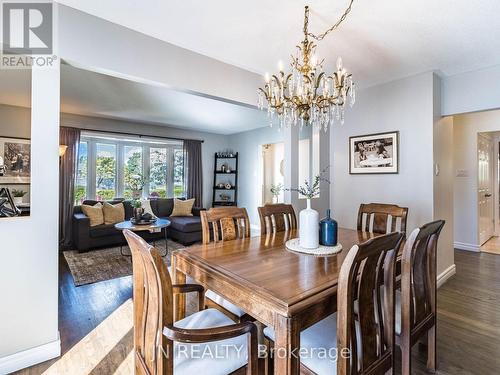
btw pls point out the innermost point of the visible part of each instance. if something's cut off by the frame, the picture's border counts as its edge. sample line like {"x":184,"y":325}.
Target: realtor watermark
{"x":226,"y":352}
{"x":28,"y":34}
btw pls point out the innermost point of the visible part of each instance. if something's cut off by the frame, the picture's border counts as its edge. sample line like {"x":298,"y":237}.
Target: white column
{"x":291,"y":139}
{"x":29,"y":271}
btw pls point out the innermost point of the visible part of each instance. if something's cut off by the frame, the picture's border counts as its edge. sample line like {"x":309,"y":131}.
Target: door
{"x":485,"y":189}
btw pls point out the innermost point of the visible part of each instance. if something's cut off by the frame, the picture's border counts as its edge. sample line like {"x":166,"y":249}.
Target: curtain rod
{"x":138,"y":135}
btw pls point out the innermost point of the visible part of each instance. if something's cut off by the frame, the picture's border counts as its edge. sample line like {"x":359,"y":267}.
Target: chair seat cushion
{"x":322,"y":335}
{"x":212,"y":358}
{"x":233,"y":309}
{"x":186,"y":224}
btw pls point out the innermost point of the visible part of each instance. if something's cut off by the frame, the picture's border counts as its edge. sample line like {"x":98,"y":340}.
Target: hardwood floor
{"x":492,"y":246}
{"x":95,"y":323}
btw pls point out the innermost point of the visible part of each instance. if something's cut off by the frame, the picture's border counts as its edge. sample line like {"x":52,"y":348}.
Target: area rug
{"x":106,"y":264}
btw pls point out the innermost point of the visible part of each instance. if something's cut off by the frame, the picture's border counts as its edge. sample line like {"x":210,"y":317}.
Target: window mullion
{"x":120,"y":172}
{"x":170,"y":172}
{"x":146,"y":160}
{"x":91,"y":175}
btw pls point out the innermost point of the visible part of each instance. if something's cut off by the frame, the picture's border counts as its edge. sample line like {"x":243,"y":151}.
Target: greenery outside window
{"x":112,"y":166}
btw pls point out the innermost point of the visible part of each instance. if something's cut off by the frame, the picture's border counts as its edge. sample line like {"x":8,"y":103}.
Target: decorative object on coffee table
{"x":328,"y":230}
{"x":138,"y":209}
{"x":309,"y":218}
{"x":158,"y":225}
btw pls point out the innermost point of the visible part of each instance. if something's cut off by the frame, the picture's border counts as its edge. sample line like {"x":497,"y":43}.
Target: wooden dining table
{"x":286,"y":290}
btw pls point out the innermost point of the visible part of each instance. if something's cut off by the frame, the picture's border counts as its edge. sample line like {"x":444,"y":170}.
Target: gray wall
{"x":405,"y":105}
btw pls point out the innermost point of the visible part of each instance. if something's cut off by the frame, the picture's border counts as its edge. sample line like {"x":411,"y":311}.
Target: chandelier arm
{"x":337,"y":24}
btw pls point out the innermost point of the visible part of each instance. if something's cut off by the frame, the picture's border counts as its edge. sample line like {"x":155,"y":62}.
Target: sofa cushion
{"x":94,"y":213}
{"x":183,"y":207}
{"x":186,"y":224}
{"x":103,"y":230}
{"x":162,"y":207}
{"x":113,"y":213}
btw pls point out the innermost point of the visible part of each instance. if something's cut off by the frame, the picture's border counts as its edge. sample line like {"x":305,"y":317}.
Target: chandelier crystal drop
{"x":307,"y":95}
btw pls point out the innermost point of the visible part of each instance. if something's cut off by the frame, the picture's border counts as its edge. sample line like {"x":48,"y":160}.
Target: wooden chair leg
{"x":406,"y":359}
{"x":431,"y":349}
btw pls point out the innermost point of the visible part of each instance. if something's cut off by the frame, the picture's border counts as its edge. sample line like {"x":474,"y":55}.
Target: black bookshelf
{"x":218,"y":173}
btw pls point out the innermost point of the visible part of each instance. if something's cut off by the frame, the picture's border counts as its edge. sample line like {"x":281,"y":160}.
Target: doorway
{"x":272,"y":172}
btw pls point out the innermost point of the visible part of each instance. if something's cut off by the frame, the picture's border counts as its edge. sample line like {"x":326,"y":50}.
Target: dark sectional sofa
{"x":183,"y":229}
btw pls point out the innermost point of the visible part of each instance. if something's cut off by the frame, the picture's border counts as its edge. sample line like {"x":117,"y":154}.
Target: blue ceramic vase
{"x":328,"y":229}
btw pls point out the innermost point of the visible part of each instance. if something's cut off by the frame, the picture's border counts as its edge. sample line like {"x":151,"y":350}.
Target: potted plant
{"x":308,"y":217}
{"x":138,"y":209}
{"x":18,"y":196}
{"x":136,"y":183}
{"x":276,"y":191}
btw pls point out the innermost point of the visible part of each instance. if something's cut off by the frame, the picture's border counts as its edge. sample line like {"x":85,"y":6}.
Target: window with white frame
{"x":112,"y":166}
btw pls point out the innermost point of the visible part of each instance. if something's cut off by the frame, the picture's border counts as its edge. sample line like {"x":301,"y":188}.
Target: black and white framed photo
{"x":15,"y":161}
{"x":374,"y":153}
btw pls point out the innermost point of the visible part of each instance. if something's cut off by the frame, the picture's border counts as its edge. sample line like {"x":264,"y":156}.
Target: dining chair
{"x":382,"y":218}
{"x":276,"y":218}
{"x":363,"y":325}
{"x":416,"y":302}
{"x":227,"y":224}
{"x":158,"y":339}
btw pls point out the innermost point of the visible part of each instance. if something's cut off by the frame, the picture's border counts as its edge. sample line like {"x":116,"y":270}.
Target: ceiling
{"x":380,"y":41}
{"x":93,"y":94}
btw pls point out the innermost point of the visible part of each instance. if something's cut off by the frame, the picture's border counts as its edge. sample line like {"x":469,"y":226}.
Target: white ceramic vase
{"x":309,"y":227}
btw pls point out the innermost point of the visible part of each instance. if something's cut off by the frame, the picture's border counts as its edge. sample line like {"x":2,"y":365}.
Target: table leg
{"x":287,"y":345}
{"x":180,"y":298}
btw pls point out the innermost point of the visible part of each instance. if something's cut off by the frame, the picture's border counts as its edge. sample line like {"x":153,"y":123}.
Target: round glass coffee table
{"x":156,"y":227}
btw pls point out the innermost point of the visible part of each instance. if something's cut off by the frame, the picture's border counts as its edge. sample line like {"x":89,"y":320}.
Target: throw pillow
{"x":113,"y":213}
{"x":146,"y":204}
{"x":183,"y":208}
{"x":94,"y":213}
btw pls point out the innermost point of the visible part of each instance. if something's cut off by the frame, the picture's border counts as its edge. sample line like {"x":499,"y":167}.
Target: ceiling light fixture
{"x":307,"y":95}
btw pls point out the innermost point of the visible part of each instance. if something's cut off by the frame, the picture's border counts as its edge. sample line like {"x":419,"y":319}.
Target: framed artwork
{"x":374,"y":153}
{"x":15,"y":160}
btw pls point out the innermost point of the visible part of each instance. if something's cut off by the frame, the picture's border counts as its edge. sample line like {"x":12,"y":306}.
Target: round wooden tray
{"x":294,"y":245}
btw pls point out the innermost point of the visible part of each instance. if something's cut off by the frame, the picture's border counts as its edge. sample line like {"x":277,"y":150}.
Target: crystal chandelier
{"x":307,"y":95}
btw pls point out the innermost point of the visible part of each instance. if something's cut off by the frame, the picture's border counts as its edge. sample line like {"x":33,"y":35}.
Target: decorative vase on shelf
{"x":18,"y":200}
{"x":308,"y":230}
{"x":328,"y":230}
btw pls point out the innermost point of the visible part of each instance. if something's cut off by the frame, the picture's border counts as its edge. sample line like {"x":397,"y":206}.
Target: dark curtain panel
{"x":67,"y":173}
{"x":193,"y":172}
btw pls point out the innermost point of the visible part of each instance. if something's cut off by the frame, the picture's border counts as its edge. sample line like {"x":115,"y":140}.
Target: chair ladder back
{"x":227,"y":223}
{"x":382,"y":218}
{"x":370,"y":337}
{"x":277,"y":217}
{"x":153,"y":308}
{"x":418,"y":283}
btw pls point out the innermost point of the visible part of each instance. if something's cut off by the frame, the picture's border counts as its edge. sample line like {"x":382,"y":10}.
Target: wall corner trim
{"x":30,"y":357}
{"x":466,"y":246}
{"x":446,"y":274}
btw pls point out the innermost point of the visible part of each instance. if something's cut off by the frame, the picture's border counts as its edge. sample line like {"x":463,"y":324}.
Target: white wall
{"x":471,"y":91}
{"x":98,"y":45}
{"x":466,"y":127}
{"x":28,"y":270}
{"x":212,"y":144}
{"x":406,"y":105}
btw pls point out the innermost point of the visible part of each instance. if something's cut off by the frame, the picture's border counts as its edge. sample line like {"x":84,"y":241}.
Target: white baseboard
{"x":466,"y":246}
{"x":446,"y":274}
{"x":30,"y":357}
